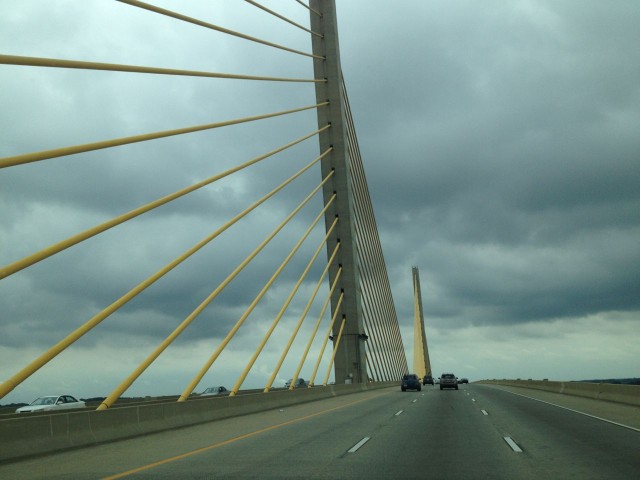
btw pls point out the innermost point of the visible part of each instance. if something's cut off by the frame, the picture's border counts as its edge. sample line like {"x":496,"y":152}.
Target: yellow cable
{"x":255,"y":355}
{"x":88,"y":147}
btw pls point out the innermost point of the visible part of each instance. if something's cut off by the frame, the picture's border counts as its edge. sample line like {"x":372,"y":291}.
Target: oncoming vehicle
{"x":42,"y":404}
{"x":410,"y":382}
{"x":300,"y":383}
{"x":220,"y":390}
{"x":448,"y":380}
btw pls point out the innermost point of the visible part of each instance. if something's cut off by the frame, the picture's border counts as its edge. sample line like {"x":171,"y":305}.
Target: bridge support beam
{"x":421,"y":361}
{"x":350,"y":361}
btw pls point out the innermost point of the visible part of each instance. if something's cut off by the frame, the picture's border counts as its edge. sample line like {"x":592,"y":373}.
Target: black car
{"x":410,"y":382}
{"x":428,"y":379}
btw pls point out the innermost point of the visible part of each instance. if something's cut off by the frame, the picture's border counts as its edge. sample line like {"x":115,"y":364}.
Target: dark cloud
{"x":499,"y":142}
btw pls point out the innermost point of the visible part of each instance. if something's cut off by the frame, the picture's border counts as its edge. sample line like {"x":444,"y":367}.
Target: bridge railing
{"x":296,"y":278}
{"x":618,"y":393}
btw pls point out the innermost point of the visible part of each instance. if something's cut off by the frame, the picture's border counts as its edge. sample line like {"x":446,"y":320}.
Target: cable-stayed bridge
{"x":247,"y":216}
{"x":327,"y":278}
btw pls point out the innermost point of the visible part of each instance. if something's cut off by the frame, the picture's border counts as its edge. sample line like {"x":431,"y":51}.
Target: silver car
{"x":220,"y":390}
{"x":448,"y":380}
{"x":300,"y":383}
{"x":42,"y":404}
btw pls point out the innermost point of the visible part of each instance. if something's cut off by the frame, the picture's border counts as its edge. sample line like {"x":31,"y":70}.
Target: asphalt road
{"x":379,"y":434}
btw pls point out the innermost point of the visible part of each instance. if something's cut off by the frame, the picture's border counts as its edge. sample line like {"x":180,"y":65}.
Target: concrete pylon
{"x":421,"y":362}
{"x":350,"y":363}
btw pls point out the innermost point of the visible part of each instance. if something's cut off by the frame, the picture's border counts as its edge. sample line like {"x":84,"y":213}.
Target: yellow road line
{"x":229,"y":441}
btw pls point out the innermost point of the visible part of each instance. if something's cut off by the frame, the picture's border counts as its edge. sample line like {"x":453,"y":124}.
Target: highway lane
{"x":379,"y":434}
{"x":559,"y":443}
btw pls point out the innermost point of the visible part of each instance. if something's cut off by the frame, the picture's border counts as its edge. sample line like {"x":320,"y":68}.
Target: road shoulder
{"x":628,"y":415}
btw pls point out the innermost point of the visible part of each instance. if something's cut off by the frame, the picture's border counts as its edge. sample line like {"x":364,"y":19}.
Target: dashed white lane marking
{"x":414,"y":401}
{"x":473,"y":399}
{"x":399,"y":412}
{"x":578,"y":411}
{"x":358,"y":445}
{"x":484,"y":412}
{"x":514,"y":446}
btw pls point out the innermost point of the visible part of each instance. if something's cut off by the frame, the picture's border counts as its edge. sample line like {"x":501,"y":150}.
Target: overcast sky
{"x":500,"y":142}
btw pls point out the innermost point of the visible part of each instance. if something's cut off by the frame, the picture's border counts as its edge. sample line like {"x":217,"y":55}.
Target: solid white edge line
{"x":577,"y":411}
{"x":358,"y":445}
{"x":514,"y":446}
{"x":399,"y":412}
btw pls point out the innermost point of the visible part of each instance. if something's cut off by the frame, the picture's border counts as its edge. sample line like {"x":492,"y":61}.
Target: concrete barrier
{"x":24,"y":435}
{"x":611,"y":392}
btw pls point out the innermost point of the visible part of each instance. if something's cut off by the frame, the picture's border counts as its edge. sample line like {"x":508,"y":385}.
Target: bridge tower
{"x":350,"y":360}
{"x":421,"y":362}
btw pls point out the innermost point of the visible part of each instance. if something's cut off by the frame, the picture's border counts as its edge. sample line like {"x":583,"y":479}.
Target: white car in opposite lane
{"x":60,"y":402}
{"x":219,"y":390}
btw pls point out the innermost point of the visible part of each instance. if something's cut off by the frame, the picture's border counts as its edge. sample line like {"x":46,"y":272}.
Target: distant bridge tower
{"x":421,"y":362}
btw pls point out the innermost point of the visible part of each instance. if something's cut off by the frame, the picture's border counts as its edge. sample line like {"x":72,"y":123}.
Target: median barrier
{"x":611,"y":392}
{"x":31,"y":434}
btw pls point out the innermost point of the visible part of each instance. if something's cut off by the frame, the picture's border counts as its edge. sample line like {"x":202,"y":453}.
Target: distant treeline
{"x":619,"y":381}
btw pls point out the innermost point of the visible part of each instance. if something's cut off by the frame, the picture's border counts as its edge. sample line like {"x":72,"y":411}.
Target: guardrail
{"x":611,"y":392}
{"x":34,"y":434}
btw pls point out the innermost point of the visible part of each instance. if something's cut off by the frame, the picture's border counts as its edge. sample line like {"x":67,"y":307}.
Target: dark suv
{"x":448,"y":380}
{"x":410,"y":382}
{"x":428,"y":379}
